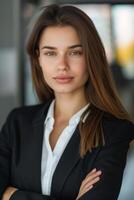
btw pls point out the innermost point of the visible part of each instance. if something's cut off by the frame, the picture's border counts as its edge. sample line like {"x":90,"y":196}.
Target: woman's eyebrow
{"x":69,"y":47}
{"x":75,"y":46}
{"x":48,"y":47}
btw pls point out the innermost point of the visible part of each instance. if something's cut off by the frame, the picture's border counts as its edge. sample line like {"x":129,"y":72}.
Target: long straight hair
{"x":100,"y":88}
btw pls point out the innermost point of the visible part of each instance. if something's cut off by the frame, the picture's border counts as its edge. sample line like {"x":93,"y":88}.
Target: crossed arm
{"x":86,"y":185}
{"x":96,"y":186}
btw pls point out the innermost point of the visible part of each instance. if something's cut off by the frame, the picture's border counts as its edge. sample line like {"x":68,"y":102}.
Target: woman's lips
{"x":63,"y":79}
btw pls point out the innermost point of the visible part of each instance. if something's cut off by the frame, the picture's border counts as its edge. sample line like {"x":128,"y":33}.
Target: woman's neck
{"x":66,"y":106}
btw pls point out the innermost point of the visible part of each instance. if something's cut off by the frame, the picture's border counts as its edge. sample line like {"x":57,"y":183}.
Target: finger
{"x":85,"y":190}
{"x":91,"y":177}
{"x":93,"y":173}
{"x":88,"y":187}
{"x":88,"y":184}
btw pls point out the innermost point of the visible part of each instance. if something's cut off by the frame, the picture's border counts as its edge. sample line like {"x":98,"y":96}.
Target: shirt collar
{"x":76,"y":117}
{"x":50,"y":114}
{"x":73,"y":120}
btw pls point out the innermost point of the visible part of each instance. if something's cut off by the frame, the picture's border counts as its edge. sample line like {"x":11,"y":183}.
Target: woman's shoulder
{"x":26,"y":109}
{"x":117,"y":130}
{"x":28,"y":112}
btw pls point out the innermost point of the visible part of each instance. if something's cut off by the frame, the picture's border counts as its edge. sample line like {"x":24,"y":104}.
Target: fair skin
{"x":62,"y":61}
{"x":63,"y":65}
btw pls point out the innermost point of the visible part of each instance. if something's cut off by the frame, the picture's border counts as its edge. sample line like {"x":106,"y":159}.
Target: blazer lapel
{"x":66,"y":163}
{"x":37,"y":141}
{"x":36,"y":152}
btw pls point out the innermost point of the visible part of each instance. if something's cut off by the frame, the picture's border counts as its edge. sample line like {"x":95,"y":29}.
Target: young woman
{"x":74,"y":144}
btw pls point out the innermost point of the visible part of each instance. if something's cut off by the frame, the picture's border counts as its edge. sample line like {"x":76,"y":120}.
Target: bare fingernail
{"x":98,"y":178}
{"x":94,"y":170}
{"x":99,"y":172}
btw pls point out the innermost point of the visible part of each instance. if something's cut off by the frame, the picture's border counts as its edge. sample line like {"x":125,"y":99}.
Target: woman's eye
{"x":50,"y":53}
{"x":75,"y":53}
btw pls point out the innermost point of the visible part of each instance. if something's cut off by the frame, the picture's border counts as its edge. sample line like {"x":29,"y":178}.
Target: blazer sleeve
{"x":27,"y":195}
{"x":5,"y":163}
{"x":111,"y":160}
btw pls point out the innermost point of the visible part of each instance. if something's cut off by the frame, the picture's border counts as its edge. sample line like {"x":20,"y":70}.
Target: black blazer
{"x":20,"y":158}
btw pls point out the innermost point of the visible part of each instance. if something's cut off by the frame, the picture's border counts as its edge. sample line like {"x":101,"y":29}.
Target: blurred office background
{"x":115,"y":22}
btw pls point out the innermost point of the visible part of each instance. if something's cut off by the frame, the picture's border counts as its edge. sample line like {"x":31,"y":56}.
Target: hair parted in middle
{"x":100,"y":88}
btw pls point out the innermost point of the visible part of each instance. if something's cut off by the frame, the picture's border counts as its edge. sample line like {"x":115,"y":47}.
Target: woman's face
{"x":62,"y":60}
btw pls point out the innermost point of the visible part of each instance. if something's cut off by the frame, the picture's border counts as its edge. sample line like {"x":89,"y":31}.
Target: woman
{"x":74,"y":144}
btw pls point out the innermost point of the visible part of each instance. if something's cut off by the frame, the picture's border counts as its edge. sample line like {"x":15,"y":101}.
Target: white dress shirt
{"x":51,"y":158}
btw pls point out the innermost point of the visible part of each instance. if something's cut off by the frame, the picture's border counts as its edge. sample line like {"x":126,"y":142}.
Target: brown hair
{"x":100,"y":89}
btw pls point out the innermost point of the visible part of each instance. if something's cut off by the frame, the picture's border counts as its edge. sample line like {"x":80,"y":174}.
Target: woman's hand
{"x":8,"y":193}
{"x":87,"y":184}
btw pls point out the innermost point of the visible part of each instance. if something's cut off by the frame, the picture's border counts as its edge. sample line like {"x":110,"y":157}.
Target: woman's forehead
{"x":59,"y":36}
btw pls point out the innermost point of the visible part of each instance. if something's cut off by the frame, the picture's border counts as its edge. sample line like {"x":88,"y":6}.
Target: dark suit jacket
{"x":20,"y":158}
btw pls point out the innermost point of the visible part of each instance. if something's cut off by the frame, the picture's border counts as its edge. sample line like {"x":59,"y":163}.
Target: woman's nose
{"x":62,"y":63}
